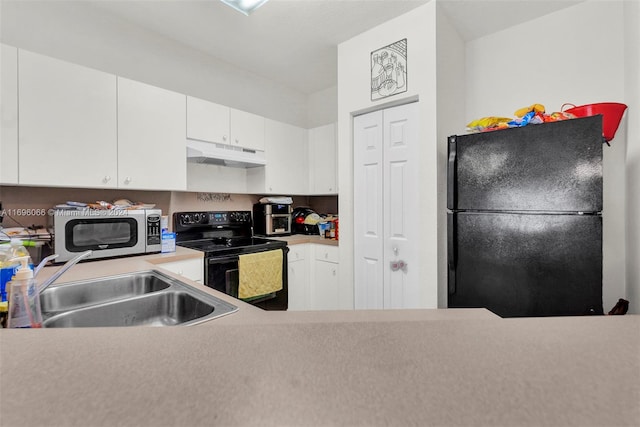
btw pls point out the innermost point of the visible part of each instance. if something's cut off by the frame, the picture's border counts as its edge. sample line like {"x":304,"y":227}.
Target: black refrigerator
{"x":524,"y":219}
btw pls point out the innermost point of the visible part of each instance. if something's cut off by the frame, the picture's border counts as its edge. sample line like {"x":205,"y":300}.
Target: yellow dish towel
{"x":260,"y":273}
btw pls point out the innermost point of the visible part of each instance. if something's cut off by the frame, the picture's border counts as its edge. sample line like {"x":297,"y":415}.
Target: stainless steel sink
{"x":148,"y":298}
{"x":81,"y":294}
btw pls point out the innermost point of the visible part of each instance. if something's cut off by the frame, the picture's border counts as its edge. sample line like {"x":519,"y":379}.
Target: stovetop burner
{"x":220,"y":233}
{"x":229,"y":244}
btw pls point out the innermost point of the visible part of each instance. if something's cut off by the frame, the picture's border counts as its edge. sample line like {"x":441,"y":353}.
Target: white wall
{"x":81,"y":34}
{"x":323,"y":107}
{"x":451,"y":104}
{"x":575,"y":55}
{"x":354,"y":85}
{"x":632,"y":99}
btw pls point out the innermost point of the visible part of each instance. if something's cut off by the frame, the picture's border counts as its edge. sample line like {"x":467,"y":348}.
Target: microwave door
{"x":118,"y":234}
{"x":101,"y":234}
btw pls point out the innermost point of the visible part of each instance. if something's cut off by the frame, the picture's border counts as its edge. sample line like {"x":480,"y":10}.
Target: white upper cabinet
{"x":286,"y":155}
{"x":207,"y":121}
{"x":8,"y":115}
{"x":67,"y":123}
{"x":247,"y":130}
{"x":323,"y":161}
{"x":151,"y":137}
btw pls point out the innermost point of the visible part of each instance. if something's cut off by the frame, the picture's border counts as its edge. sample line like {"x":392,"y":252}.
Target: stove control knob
{"x":204,"y":218}
{"x":196,"y":217}
{"x":186,"y":219}
{"x":239,"y":216}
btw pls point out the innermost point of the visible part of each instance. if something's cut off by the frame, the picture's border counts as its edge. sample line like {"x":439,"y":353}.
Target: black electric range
{"x":223,"y":236}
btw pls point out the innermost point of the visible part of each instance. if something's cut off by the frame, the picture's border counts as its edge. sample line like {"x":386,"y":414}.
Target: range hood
{"x":223,"y":155}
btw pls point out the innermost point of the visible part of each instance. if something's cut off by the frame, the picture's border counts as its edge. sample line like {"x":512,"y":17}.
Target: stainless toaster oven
{"x":272,"y":219}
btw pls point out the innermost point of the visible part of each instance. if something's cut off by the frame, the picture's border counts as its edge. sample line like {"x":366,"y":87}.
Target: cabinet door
{"x":323,"y":160}
{"x":151,"y":137}
{"x":286,"y":151}
{"x":324,"y":291}
{"x":298,"y":277}
{"x":192,"y":269}
{"x":247,"y":130}
{"x":207,"y":121}
{"x":8,"y":115}
{"x":67,"y":126}
{"x":298,"y":285}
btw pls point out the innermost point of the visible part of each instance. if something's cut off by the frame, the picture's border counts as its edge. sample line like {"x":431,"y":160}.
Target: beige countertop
{"x":296,"y":239}
{"x":396,"y":367}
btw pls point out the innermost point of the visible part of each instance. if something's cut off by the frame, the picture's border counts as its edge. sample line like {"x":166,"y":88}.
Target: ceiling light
{"x":244,"y":6}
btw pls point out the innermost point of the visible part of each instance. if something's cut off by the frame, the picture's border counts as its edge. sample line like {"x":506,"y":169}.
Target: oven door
{"x":221,"y":273}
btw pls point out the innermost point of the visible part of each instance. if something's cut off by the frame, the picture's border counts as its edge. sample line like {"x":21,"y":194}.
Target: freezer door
{"x":526,"y":264}
{"x":547,"y":167}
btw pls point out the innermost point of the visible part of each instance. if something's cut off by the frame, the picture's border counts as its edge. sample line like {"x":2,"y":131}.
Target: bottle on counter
{"x":9,"y":264}
{"x":24,"y":298}
{"x":4,"y":313}
{"x":7,"y":270}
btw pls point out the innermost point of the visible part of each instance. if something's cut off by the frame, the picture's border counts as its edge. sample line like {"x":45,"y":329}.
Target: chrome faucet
{"x":62,"y":269}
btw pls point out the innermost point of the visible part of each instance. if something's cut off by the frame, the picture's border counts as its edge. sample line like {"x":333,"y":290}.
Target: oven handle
{"x":221,"y":259}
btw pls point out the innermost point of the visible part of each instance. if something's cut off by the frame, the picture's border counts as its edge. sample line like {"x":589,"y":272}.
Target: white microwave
{"x":107,"y":233}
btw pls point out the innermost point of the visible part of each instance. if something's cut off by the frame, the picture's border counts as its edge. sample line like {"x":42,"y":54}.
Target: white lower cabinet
{"x":192,"y":269}
{"x":313,"y":277}
{"x":298,"y":277}
{"x":325,"y":291}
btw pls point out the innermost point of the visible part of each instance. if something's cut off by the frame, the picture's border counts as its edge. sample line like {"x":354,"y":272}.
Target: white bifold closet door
{"x":386,"y":208}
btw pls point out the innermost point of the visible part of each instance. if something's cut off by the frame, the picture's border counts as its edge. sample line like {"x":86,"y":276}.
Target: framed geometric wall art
{"x":389,"y":70}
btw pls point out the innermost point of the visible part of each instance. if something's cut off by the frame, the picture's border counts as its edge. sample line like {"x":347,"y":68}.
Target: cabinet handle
{"x":127,"y":180}
{"x":237,"y":141}
{"x":326,"y":255}
{"x":224,"y":137}
{"x":334,"y":272}
{"x":106,"y":179}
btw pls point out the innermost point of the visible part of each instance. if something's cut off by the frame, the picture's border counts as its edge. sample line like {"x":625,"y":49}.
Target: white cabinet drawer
{"x":192,"y":269}
{"x":297,"y":252}
{"x":327,"y":253}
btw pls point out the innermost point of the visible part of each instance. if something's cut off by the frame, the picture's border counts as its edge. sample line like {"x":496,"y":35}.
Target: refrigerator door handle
{"x":451,"y":173}
{"x":451,"y":253}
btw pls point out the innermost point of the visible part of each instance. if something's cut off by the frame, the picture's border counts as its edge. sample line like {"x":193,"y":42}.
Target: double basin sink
{"x":147,"y":298}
